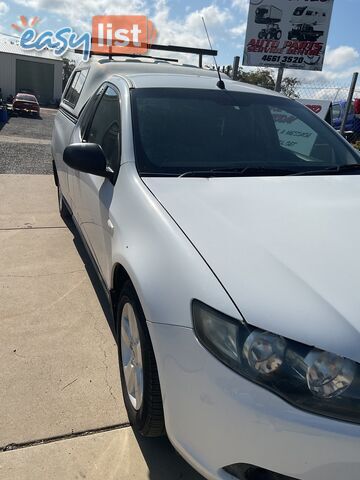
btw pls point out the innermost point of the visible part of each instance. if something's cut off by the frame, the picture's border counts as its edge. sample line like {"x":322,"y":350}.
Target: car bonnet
{"x":284,"y":248}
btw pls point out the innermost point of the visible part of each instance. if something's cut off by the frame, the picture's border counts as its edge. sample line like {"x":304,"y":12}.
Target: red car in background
{"x":26,"y":103}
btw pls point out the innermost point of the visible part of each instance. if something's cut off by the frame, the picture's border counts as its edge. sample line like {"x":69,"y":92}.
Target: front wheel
{"x":138,"y":370}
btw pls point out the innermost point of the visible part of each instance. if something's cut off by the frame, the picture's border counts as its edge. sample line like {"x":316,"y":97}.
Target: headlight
{"x":264,"y":351}
{"x":311,"y":379}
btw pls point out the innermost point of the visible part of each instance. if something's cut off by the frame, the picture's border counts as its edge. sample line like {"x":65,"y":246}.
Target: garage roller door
{"x":35,"y":77}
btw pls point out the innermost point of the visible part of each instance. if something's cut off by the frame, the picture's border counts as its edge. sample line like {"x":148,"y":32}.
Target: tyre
{"x":138,"y":370}
{"x":63,"y":209}
{"x":278,"y":35}
{"x":261,"y":34}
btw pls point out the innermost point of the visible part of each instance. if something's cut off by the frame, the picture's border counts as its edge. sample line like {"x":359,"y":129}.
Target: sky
{"x":179,"y":22}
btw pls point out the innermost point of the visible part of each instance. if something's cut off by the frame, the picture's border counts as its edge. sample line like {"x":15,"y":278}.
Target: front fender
{"x":164,"y":267}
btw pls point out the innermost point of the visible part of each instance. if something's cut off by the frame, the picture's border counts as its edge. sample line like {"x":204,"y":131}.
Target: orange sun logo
{"x":24,"y":23}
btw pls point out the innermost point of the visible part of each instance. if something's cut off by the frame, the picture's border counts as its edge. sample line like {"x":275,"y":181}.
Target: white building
{"x":29,"y":71}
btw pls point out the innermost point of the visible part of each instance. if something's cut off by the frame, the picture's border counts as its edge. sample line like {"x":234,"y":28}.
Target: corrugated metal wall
{"x":36,"y":78}
{"x":8,"y":77}
{"x":58,"y":80}
{"x":7,"y":74}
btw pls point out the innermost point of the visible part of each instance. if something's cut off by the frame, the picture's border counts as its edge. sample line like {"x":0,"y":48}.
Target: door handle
{"x":110,"y":225}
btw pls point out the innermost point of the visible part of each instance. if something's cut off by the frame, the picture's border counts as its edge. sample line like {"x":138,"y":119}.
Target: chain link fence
{"x":333,"y":91}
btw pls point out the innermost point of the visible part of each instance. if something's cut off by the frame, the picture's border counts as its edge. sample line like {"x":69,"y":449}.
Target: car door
{"x":77,"y":136}
{"x":63,"y":132}
{"x":95,"y":193}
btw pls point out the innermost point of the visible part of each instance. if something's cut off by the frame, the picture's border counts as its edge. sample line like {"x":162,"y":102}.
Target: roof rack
{"x":166,"y":48}
{"x":134,"y":56}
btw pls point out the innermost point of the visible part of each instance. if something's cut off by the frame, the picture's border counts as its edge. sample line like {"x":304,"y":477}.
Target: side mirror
{"x":88,"y":158}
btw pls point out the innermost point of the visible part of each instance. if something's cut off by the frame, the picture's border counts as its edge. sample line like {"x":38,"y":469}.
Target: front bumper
{"x":214,"y":418}
{"x":26,"y":110}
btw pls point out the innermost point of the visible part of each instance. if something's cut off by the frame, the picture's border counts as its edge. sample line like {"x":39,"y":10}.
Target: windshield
{"x":24,"y":96}
{"x":299,"y":11}
{"x":182,"y":130}
{"x":261,"y":11}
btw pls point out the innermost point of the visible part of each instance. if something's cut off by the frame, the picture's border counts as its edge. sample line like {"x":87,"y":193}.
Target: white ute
{"x":224,"y":225}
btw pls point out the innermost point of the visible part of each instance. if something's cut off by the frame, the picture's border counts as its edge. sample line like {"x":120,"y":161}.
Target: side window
{"x":88,"y":112}
{"x":73,"y":92}
{"x":105,"y":127}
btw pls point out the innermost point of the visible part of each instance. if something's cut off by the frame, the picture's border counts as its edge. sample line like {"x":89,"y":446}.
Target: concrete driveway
{"x":62,"y":415}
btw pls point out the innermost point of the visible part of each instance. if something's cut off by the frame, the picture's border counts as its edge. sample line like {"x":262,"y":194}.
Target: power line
{"x":8,"y":35}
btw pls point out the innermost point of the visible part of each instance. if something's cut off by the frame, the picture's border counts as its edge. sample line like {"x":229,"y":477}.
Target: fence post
{"x":348,"y":103}
{"x":235,"y":67}
{"x":279,"y":79}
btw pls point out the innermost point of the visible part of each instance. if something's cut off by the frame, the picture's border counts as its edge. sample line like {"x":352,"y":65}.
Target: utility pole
{"x":348,"y":103}
{"x":279,"y":79}
{"x":235,"y":68}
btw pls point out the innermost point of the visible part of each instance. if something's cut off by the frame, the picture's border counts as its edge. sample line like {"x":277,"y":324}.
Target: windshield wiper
{"x":349,"y":168}
{"x":236,"y":172}
{"x":256,"y":171}
{"x":158,"y":174}
{"x":211,"y":172}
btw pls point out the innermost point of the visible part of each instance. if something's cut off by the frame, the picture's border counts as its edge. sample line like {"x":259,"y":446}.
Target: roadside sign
{"x":320,"y":107}
{"x":287,"y":33}
{"x":292,"y":132}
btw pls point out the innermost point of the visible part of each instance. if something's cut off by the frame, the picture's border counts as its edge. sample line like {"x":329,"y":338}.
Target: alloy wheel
{"x":131,"y":356}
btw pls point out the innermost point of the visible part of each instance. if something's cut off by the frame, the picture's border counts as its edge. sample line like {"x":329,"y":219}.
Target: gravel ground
{"x":19,"y":152}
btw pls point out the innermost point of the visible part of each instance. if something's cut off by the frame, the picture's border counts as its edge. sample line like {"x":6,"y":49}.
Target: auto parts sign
{"x":287,"y":33}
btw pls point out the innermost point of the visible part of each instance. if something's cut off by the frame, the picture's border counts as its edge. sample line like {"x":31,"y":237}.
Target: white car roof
{"x":147,"y":73}
{"x":196,"y":80}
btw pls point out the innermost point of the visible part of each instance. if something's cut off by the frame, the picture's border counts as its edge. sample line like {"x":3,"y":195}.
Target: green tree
{"x":264,"y":77}
{"x":289,"y":87}
{"x":261,"y":77}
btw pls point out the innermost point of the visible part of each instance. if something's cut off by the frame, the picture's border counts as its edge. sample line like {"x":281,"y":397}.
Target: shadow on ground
{"x":160,"y":456}
{"x":94,"y":278}
{"x":163,"y":461}
{"x":25,"y":115}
